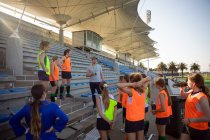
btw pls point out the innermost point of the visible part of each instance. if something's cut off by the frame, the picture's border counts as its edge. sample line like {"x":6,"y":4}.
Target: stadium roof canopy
{"x":117,"y":21}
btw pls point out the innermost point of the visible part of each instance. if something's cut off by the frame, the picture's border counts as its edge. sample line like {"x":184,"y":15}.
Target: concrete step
{"x":79,"y":115}
{"x":25,"y":83}
{"x":83,"y":127}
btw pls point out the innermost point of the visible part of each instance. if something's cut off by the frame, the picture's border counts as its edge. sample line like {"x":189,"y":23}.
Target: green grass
{"x":207,"y":83}
{"x":207,"y":79}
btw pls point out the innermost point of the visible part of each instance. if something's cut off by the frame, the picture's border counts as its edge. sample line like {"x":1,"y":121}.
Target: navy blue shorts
{"x":43,"y":76}
{"x":134,"y":126}
{"x":102,"y":124}
{"x":146,"y":109}
{"x":162,"y":121}
{"x":66,"y":75}
{"x":53,"y":83}
{"x":196,"y":134}
{"x":119,"y":105}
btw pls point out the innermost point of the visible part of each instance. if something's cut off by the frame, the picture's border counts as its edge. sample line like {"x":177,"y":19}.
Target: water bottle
{"x":153,"y":105}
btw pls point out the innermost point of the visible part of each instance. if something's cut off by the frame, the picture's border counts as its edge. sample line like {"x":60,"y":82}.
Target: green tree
{"x":162,"y":67}
{"x":195,"y":67}
{"x":182,"y":67}
{"x":141,"y":65}
{"x":172,"y":67}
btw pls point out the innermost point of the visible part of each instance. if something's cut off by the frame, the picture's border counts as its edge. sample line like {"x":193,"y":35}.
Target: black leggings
{"x":93,"y":87}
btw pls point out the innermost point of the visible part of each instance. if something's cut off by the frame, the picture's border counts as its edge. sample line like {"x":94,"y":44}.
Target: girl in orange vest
{"x":197,"y":111}
{"x":54,"y":77}
{"x":163,"y":109}
{"x":135,"y":106}
{"x":66,"y":74}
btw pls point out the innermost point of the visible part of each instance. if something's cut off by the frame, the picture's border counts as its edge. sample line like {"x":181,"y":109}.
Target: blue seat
{"x":86,"y":95}
{"x":4,"y":91}
{"x":17,"y":90}
{"x":4,"y":117}
{"x":3,"y":75}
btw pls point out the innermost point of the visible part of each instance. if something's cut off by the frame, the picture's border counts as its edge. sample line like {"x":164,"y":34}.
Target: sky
{"x":182,"y":31}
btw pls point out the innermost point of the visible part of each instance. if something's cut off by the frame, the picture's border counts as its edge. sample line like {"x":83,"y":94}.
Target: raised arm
{"x":184,"y":94}
{"x":143,"y":83}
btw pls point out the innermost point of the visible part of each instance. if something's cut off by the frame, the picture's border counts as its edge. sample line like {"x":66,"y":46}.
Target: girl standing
{"x":43,"y":118}
{"x":107,"y":112}
{"x":197,"y":111}
{"x":43,"y":63}
{"x":54,"y":77}
{"x":135,"y":106}
{"x":163,"y":109}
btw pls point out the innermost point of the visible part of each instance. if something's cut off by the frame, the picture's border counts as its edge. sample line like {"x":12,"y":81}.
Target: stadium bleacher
{"x":15,"y":89}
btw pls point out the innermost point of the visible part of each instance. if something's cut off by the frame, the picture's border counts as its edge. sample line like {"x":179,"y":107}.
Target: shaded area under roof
{"x":117,"y":21}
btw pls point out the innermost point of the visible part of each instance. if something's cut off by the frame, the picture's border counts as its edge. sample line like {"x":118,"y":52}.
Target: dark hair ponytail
{"x":169,"y":97}
{"x":37,"y":92}
{"x":161,"y":82}
{"x":199,"y":82}
{"x":35,"y":119}
{"x":105,"y":94}
{"x":205,"y":90}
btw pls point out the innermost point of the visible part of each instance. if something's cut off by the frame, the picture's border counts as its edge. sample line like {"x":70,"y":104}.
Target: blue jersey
{"x":51,"y":115}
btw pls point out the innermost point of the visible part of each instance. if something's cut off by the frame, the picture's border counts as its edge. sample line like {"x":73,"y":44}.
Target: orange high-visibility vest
{"x":56,"y":73}
{"x":193,"y":110}
{"x":124,"y":100}
{"x":167,"y":112}
{"x":135,"y":106}
{"x":66,"y":65}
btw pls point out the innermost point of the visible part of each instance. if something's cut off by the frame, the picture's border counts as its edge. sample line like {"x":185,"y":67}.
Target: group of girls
{"x":49,"y":71}
{"x":134,"y":91}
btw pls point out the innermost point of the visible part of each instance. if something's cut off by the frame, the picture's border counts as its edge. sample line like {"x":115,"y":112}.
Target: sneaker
{"x":69,"y":95}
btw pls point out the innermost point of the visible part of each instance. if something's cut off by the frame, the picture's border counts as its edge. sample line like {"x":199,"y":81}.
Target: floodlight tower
{"x":148,"y":15}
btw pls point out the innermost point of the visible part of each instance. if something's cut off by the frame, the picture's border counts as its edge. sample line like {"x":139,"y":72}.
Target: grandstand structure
{"x":117,"y":22}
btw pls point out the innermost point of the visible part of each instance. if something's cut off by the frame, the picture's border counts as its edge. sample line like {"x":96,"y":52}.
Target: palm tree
{"x":182,"y":67}
{"x":162,"y":67}
{"x":172,"y":67}
{"x":195,"y":67}
{"x":141,"y":65}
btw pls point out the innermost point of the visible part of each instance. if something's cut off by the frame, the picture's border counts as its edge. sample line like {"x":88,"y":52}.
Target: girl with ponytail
{"x":107,"y":111}
{"x":197,"y":111}
{"x":40,"y":116}
{"x":135,"y":105}
{"x":163,"y":107}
